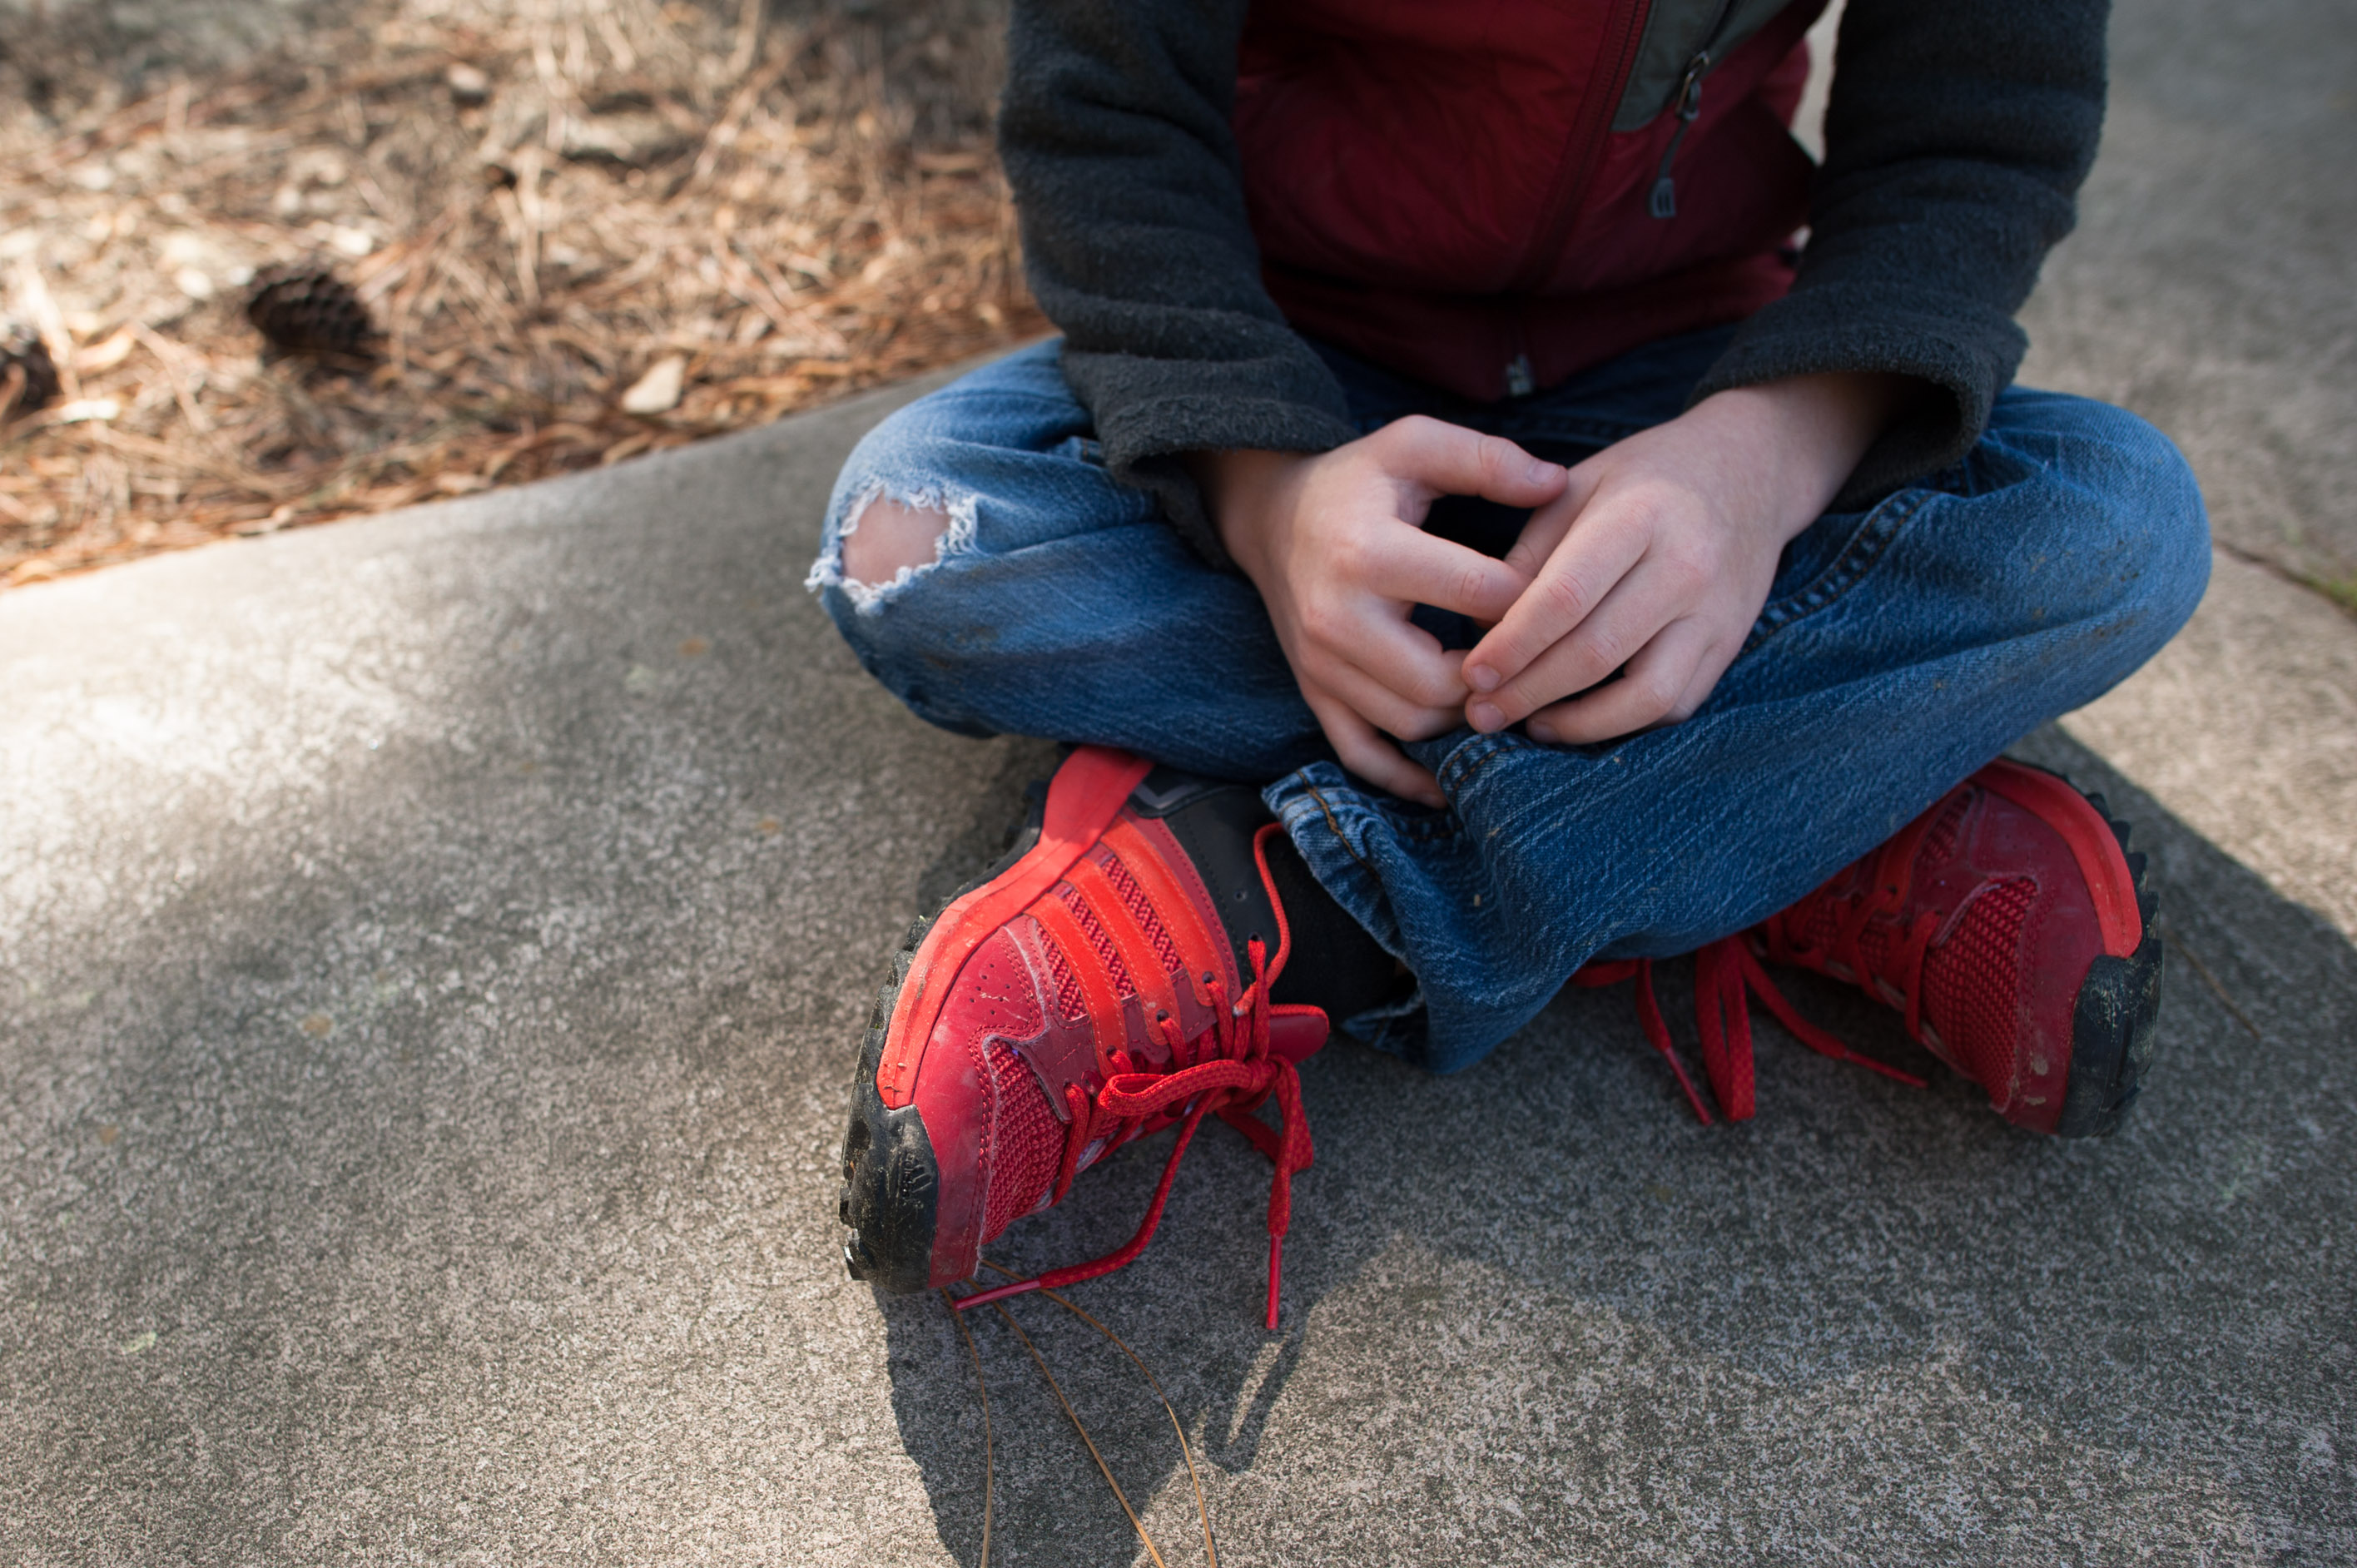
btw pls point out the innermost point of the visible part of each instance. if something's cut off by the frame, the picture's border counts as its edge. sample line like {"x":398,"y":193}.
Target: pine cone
{"x":28,"y":377}
{"x":310,"y":311}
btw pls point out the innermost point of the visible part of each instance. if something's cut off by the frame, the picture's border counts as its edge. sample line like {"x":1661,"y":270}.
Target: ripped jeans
{"x":1901,"y":647}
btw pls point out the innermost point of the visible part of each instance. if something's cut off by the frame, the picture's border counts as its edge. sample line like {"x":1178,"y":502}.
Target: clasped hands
{"x":1652,"y":558}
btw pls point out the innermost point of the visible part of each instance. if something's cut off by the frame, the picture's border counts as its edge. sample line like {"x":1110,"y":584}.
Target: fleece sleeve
{"x":1955,"y":142}
{"x":1114,"y":133}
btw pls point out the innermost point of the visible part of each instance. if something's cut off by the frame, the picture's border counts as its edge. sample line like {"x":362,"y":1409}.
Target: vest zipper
{"x":1577,"y":169}
{"x":1663,"y":203}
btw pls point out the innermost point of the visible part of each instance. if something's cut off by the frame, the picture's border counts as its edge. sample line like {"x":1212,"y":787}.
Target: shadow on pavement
{"x":2139,"y":1338}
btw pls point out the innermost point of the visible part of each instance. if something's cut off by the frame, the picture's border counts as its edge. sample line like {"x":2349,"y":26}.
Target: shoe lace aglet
{"x":996,"y":1293}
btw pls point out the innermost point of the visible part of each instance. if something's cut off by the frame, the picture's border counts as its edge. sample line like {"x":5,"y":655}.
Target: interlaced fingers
{"x":1227,"y":1069}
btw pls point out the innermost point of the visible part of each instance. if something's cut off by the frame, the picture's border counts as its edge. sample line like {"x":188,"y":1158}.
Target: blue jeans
{"x":1901,"y":647}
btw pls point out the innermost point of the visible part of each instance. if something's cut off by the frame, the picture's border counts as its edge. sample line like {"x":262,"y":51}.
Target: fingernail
{"x":1481,"y":677}
{"x":1540,"y":470}
{"x":1540,"y":733}
{"x":1484,"y":717}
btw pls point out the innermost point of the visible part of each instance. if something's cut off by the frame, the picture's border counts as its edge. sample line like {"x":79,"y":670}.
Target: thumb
{"x":1445,"y":459}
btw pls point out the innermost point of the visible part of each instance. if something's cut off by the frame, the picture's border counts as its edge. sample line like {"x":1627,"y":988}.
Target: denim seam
{"x":1482,"y":753}
{"x":1845,"y":571}
{"x":1334,"y":827}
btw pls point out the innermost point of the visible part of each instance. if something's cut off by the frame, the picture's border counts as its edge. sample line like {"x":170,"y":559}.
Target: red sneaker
{"x":2009,"y":924}
{"x":2013,"y":928}
{"x":1109,"y":977}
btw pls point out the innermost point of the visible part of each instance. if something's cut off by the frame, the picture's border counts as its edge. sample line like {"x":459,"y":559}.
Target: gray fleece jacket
{"x":1957,"y":136}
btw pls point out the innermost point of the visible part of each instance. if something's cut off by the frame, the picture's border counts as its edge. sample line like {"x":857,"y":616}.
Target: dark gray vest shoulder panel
{"x":1676,"y":31}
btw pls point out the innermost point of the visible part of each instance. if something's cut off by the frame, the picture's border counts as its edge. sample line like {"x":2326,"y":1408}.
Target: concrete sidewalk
{"x":433,"y":946}
{"x":437,"y":943}
{"x":2209,"y":284}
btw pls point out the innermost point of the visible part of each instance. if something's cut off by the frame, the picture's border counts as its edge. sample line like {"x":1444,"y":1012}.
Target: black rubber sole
{"x":2112,"y":1032}
{"x":891,"y":1180}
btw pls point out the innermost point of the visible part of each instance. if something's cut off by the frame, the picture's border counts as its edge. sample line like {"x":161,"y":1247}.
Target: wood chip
{"x":658,"y":390}
{"x":840,"y":223}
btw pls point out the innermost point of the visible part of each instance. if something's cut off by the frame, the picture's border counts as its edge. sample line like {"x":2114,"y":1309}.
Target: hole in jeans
{"x":889,"y":537}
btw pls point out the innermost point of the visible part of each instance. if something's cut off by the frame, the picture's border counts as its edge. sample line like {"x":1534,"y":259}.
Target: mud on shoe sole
{"x":2112,"y":1033}
{"x":891,"y":1179}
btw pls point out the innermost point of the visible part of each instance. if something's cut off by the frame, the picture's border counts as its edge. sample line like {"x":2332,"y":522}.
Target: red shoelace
{"x":1728,"y":974}
{"x":1228,"y":1071}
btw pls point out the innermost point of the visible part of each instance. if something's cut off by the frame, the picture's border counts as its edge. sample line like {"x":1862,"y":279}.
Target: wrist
{"x":1819,"y":428}
{"x":1240,"y":489}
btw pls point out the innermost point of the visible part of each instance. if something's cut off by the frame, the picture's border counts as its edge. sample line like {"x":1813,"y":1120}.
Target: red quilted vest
{"x":1485,"y":194}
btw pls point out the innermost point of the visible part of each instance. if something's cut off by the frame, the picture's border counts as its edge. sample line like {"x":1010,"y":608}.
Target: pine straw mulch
{"x":543,"y":202}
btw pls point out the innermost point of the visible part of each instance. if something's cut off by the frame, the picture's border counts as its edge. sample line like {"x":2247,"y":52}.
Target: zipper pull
{"x":1665,"y":200}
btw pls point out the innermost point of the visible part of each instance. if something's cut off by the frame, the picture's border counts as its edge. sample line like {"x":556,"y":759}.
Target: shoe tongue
{"x":1210,"y":827}
{"x":1334,"y":964}
{"x":1819,"y":924}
